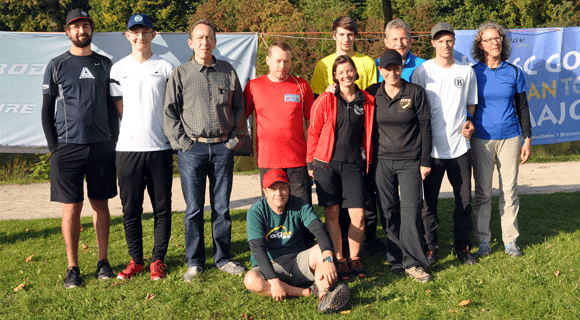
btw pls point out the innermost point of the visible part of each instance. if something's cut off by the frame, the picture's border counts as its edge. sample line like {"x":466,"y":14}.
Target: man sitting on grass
{"x":283,"y":265}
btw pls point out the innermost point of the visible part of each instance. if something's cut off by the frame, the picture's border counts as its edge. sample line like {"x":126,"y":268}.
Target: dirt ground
{"x":32,"y":201}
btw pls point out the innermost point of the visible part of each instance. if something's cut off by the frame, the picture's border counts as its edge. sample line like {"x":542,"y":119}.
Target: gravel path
{"x":31,"y":201}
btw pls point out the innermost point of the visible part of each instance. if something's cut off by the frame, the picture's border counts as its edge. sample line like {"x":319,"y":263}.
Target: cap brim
{"x":79,"y":18}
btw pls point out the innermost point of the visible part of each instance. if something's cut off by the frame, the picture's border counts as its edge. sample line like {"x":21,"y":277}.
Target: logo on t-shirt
{"x":405,"y":103}
{"x":86,"y":74}
{"x":459,"y":82}
{"x":291,"y":98}
{"x":278,"y":233}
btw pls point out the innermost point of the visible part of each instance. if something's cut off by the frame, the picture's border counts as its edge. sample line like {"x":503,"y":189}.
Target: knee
{"x":254,"y":281}
{"x":357,"y":216}
{"x":332,"y":213}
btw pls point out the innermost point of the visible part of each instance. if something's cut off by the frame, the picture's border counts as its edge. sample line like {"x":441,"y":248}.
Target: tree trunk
{"x":387,"y":11}
{"x":53,"y":14}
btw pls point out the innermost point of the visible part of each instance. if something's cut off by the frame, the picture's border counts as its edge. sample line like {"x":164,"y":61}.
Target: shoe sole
{"x":339,"y":298}
{"x":70,"y":286}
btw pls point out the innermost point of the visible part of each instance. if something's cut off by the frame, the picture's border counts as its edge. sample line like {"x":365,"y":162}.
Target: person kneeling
{"x":283,"y":266}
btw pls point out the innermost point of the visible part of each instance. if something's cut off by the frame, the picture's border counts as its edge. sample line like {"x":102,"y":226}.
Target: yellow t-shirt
{"x":322,"y":77}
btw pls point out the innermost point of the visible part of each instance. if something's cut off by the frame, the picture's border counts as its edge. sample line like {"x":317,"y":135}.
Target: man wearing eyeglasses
{"x":144,"y":156}
{"x":452,"y":91}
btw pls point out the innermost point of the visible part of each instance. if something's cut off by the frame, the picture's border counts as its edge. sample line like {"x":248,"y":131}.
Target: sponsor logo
{"x":358,"y":109}
{"x":405,"y":104}
{"x":459,"y":82}
{"x":84,"y":13}
{"x":97,"y":63}
{"x":138,"y":18}
{"x":278,"y":233}
{"x":291,"y":98}
{"x":86,"y":74}
{"x":16,"y":108}
{"x":45,"y":87}
{"x":34,"y":69}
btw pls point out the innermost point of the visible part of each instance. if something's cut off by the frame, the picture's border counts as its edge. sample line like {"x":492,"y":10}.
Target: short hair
{"x":506,"y":47}
{"x":204,"y":22}
{"x":345,"y":22}
{"x":91,"y":23}
{"x":341,"y":60}
{"x":398,"y":24}
{"x":280,"y":45}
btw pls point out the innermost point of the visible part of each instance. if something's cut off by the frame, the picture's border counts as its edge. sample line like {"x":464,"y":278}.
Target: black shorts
{"x":70,"y":163}
{"x":341,"y":183}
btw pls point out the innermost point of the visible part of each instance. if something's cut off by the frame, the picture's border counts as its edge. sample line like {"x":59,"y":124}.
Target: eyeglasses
{"x":145,"y":34}
{"x":498,"y":39}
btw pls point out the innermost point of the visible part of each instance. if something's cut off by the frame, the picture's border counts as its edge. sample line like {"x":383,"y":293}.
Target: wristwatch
{"x":328,"y":259}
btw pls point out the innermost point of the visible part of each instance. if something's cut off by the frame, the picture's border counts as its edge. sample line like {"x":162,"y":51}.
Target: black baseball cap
{"x":390,"y":56}
{"x":140,"y":19}
{"x":77,"y":14}
{"x":441,"y":27}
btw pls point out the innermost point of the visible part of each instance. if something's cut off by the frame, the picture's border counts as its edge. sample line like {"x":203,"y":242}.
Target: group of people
{"x":381,"y":135}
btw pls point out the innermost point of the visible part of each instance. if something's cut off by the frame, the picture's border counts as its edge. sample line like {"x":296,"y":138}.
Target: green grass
{"x":506,"y":288}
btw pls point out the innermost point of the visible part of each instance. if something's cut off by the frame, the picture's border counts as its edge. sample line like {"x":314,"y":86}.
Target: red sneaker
{"x":157,"y":270}
{"x":132,"y":270}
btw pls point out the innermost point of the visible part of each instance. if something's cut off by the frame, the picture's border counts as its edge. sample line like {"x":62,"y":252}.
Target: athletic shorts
{"x":341,"y":183}
{"x":70,"y":163}
{"x":293,"y":269}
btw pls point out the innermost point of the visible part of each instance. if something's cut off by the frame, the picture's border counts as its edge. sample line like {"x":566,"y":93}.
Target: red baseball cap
{"x":273,"y":176}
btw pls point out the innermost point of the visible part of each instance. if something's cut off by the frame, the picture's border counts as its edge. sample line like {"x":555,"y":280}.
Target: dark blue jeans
{"x":216,"y":162}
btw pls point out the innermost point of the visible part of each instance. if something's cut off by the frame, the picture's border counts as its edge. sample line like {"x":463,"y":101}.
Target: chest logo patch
{"x":358,"y":109}
{"x":86,"y":74}
{"x":459,"y":82}
{"x":291,"y":98}
{"x":405,"y":104}
{"x":278,"y":233}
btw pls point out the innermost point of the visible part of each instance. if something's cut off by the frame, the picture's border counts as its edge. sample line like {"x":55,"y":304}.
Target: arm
{"x":468,"y":128}
{"x":119,"y":105}
{"x":523,"y":112}
{"x":113,"y":118}
{"x":48,"y":124}
{"x":172,"y":109}
{"x":240,"y":130}
{"x":315,"y":128}
{"x":424,"y":115}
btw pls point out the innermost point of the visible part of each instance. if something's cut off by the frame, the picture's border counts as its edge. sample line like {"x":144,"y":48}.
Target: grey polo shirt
{"x":202,"y":101}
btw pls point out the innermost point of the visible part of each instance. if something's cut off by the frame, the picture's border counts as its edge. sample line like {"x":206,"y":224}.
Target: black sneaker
{"x":73,"y":278}
{"x":335,"y":299}
{"x":104,"y":270}
{"x":431,"y":257}
{"x":465,"y":256}
{"x":397,"y":268}
{"x":375,"y":247}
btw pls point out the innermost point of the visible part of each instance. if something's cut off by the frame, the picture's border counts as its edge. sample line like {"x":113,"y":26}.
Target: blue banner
{"x":24,"y":56}
{"x":550,"y":61}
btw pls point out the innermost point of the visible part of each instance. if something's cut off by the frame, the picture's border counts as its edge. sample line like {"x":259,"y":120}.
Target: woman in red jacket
{"x":340,"y":125}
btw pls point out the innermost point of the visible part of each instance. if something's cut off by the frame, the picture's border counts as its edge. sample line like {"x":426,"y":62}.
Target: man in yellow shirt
{"x":344,"y":31}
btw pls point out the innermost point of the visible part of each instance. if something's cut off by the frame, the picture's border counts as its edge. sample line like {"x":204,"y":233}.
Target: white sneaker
{"x":232,"y":268}
{"x":191,"y":273}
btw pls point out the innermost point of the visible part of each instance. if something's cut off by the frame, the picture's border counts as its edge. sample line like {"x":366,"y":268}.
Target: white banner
{"x":24,"y":56}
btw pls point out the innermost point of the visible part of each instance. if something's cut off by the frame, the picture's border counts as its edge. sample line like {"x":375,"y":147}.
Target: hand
{"x":468,"y":129}
{"x":526,"y":150}
{"x":277,"y":291}
{"x":311,"y":173}
{"x":425,"y":171}
{"x":331,"y":88}
{"x":328,"y":273}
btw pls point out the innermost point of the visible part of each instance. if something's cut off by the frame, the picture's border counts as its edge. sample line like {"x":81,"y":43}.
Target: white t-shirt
{"x":141,"y":86}
{"x":449,"y":91}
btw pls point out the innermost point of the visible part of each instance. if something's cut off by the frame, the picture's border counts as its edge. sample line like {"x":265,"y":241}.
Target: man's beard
{"x":82,"y":43}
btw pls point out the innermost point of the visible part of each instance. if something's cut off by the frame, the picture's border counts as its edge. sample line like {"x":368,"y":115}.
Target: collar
{"x":199,"y":67}
{"x":358,"y":95}
{"x":403,"y":92}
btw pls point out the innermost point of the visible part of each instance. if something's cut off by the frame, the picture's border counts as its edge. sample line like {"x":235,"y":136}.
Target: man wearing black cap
{"x":452,"y":91}
{"x":402,"y":158}
{"x":81,"y":137}
{"x":283,"y":265}
{"x":144,"y":156}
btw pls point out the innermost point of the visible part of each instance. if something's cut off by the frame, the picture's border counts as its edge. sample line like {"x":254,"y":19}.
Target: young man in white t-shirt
{"x":144,"y":156}
{"x":452,"y":92}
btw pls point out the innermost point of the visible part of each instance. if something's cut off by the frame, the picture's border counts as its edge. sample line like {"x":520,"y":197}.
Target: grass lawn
{"x":544,"y":283}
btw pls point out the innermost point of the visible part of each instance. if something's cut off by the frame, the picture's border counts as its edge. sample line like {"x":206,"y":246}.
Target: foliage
{"x":543,"y":283}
